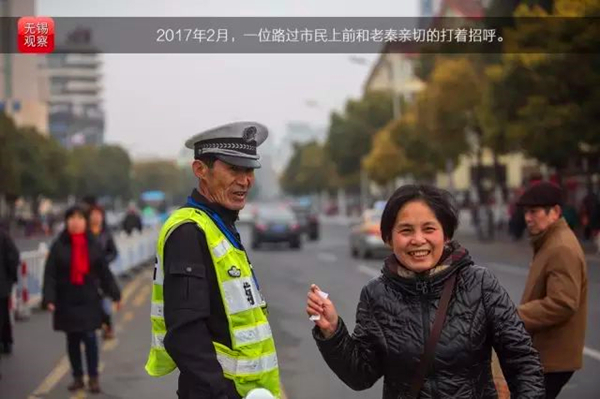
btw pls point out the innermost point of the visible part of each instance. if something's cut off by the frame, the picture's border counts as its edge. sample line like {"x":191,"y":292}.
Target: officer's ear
{"x":200,"y":169}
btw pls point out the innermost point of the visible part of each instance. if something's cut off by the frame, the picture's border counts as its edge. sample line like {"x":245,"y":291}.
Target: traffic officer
{"x":209,"y":318}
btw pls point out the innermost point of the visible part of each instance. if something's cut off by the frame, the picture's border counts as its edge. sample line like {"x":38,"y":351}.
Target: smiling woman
{"x":432,"y":317}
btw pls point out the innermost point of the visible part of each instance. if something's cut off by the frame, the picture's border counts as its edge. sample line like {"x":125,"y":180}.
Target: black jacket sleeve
{"x":49,"y":289}
{"x":520,"y":362}
{"x":108,"y":283}
{"x":11,"y":258}
{"x":187,"y":308}
{"x":111,"y":249}
{"x":358,"y":359}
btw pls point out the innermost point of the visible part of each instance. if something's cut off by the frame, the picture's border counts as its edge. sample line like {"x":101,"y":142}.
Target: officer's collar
{"x":227,"y":215}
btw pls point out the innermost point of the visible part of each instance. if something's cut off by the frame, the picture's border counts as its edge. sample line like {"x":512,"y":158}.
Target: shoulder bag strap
{"x":436,"y":330}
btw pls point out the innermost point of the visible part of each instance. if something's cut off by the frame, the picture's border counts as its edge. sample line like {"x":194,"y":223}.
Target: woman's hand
{"x":323,"y":307}
{"x":118,"y":305}
{"x":50,"y":307}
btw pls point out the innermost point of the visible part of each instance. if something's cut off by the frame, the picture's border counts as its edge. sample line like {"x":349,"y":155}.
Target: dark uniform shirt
{"x":194,"y":311}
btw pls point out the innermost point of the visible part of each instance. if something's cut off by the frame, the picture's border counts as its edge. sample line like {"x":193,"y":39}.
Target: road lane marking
{"x":594,"y":354}
{"x":127,"y":317}
{"x":133,"y":285}
{"x":62,"y":367}
{"x":80,"y":394}
{"x":140,"y":298}
{"x":52,"y":379}
{"x":110,"y":345}
{"x":326,"y":257}
{"x":369,"y":271}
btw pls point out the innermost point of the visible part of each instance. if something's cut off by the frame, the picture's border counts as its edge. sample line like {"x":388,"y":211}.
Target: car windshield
{"x":276,"y":215}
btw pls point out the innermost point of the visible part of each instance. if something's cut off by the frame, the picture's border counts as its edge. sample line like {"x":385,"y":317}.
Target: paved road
{"x":39,"y":366}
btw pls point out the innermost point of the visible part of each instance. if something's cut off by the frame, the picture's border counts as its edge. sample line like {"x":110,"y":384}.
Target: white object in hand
{"x":260,"y":393}
{"x":317,"y":317}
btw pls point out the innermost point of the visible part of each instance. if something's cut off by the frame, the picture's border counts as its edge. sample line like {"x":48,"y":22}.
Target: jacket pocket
{"x":186,"y":287}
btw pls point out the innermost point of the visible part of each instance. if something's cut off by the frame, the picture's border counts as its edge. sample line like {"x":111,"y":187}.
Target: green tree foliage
{"x":9,"y":176}
{"x":309,"y":170}
{"x":446,"y":108}
{"x":549,"y":104}
{"x":387,"y":160}
{"x":351,"y":133}
{"x":160,"y":175}
{"x":33,"y":166}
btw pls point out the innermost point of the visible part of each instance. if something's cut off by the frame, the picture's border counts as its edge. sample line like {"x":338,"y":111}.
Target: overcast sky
{"x":153,"y":103}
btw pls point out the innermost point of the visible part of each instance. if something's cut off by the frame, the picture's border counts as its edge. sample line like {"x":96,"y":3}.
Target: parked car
{"x":276,"y":224}
{"x":308,"y":219}
{"x":365,"y":237}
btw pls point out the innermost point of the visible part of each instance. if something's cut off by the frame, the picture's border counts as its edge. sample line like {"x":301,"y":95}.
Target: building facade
{"x":76,"y":113}
{"x":23,"y":84}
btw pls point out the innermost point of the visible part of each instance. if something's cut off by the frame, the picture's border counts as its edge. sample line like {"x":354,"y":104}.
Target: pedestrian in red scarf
{"x":75,"y":268}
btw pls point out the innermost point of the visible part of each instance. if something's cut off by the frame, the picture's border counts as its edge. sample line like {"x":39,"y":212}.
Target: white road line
{"x":594,"y":354}
{"x":369,"y":271}
{"x":326,"y":257}
{"x":62,"y":367}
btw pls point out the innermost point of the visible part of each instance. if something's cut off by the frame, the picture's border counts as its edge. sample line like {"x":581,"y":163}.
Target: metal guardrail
{"x":133,"y":251}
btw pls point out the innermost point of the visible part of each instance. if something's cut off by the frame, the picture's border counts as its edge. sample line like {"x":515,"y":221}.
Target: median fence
{"x":134,"y":250}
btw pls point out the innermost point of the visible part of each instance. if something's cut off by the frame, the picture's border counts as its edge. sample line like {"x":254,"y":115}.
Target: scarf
{"x":453,"y":253}
{"x":80,"y":262}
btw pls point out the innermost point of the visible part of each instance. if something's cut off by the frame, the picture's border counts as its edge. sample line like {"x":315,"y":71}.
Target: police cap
{"x":233,"y":143}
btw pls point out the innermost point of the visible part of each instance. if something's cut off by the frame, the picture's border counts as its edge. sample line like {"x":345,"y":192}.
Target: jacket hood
{"x":454,"y":258}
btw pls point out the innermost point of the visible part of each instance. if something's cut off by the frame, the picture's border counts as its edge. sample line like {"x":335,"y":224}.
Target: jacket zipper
{"x":423,"y":288}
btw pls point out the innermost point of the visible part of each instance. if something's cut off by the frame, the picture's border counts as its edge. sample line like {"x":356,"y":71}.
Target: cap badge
{"x":249,"y":134}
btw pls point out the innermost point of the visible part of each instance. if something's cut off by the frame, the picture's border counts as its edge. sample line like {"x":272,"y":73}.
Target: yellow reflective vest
{"x":251,"y":362}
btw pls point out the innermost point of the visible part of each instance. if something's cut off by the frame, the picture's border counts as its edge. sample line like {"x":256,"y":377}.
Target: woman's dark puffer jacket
{"x":393,"y":321}
{"x":78,"y":307}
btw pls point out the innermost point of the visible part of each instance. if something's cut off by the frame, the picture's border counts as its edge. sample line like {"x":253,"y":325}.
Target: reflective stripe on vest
{"x":157,"y":309}
{"x":245,"y":367}
{"x":252,"y":335}
{"x":158,"y":341}
{"x":221,"y":248}
{"x":253,"y":349}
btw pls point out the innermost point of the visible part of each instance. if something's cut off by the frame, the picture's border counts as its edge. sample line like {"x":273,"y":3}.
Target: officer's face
{"x":225,"y":184}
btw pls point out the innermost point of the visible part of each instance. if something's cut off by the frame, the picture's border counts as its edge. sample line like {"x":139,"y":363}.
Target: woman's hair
{"x":440,"y":201}
{"x":98,"y":208}
{"x":75,"y":209}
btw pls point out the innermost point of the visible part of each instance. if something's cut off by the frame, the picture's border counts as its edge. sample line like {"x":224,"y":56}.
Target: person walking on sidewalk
{"x":209,"y":318}
{"x":75,"y":269}
{"x":428,"y":323}
{"x":101,"y":233}
{"x":554,"y":303}
{"x":9,"y":264}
